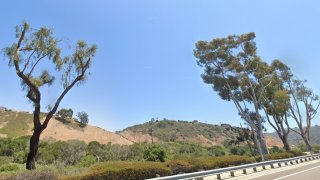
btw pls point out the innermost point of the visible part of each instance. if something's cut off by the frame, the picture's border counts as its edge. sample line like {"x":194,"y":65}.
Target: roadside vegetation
{"x":77,"y":160}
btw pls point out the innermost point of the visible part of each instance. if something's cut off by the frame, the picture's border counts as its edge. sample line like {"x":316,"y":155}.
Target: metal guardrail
{"x":201,"y":174}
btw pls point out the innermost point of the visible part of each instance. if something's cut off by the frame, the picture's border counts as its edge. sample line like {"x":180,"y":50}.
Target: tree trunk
{"x":307,"y":142}
{"x":285,"y":142}
{"x":262,"y":141}
{"x":33,"y":149}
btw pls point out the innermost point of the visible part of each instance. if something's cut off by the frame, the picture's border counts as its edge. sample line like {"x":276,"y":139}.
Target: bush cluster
{"x":126,"y":170}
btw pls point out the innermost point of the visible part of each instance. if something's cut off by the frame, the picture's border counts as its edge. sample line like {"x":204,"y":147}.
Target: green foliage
{"x":216,"y":151}
{"x":240,"y":150}
{"x":8,"y":167}
{"x":126,"y":170}
{"x":276,"y":149}
{"x":316,"y":148}
{"x":154,"y":152}
{"x":177,"y":166}
{"x":65,"y":114}
{"x":13,"y":146}
{"x":210,"y":162}
{"x":302,"y":146}
{"x":83,"y":118}
{"x":87,"y":161}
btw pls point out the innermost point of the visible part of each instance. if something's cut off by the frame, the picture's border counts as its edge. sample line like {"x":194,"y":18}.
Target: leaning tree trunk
{"x":33,"y":149}
{"x":261,"y":139}
{"x":307,"y":142}
{"x":285,"y":142}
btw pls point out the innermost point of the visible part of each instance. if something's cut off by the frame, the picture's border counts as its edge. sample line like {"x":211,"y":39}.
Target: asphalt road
{"x":308,"y":171}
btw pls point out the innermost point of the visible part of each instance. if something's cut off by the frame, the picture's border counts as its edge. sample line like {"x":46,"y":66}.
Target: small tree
{"x":35,"y":47}
{"x":304,"y":107}
{"x":83,"y":118}
{"x":65,"y":113}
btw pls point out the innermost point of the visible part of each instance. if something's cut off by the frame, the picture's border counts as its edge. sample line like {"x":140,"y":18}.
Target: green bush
{"x":5,"y":159}
{"x":178,"y":166}
{"x":87,"y":161}
{"x":207,"y":163}
{"x":126,"y":170}
{"x":216,"y":151}
{"x":9,"y":167}
{"x":316,"y":148}
{"x":154,"y":152}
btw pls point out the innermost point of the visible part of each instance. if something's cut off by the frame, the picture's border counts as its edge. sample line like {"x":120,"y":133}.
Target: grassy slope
{"x":169,"y":130}
{"x":15,"y":123}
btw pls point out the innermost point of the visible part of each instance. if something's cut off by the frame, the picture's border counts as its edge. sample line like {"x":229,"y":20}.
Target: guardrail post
{"x":218,"y":176}
{"x":301,"y":160}
{"x":244,"y":171}
{"x":291,"y":162}
{"x":272,"y":166}
{"x":264,"y":167}
{"x":232,"y":174}
{"x":297,"y":161}
{"x":286,"y":163}
{"x":255,"y":169}
{"x":279,"y":164}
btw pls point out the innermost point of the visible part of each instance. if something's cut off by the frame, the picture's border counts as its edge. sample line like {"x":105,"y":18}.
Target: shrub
{"x":216,"y":151}
{"x":87,"y":161}
{"x":154,"y":153}
{"x":126,"y":170}
{"x":9,"y":167}
{"x":316,"y":148}
{"x":178,"y":166}
{"x":31,"y":175}
{"x":5,"y":159}
{"x":239,"y":150}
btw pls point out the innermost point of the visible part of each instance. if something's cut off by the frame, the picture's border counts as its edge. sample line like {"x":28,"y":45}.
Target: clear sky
{"x":144,"y":66}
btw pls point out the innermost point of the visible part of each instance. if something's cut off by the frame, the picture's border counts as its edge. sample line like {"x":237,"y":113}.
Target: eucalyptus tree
{"x":277,"y":102}
{"x":233,"y":68}
{"x":304,"y":106}
{"x":33,"y":52}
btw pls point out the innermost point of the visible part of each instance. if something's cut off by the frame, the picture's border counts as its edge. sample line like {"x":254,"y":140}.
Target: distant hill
{"x":19,"y":123}
{"x":196,"y":132}
{"x":294,"y":138}
{"x":14,"y":123}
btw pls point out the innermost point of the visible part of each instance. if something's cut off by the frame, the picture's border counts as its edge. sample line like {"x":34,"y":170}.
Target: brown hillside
{"x":59,"y":131}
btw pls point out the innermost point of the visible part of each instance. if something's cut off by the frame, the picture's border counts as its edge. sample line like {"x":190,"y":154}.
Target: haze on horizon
{"x":145,"y":66}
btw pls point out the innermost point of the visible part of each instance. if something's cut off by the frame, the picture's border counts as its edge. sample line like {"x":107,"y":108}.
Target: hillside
{"x":13,"y":124}
{"x":196,"y":132}
{"x":294,"y":138}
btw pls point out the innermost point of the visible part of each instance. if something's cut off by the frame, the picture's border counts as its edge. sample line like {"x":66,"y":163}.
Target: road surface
{"x":303,"y":171}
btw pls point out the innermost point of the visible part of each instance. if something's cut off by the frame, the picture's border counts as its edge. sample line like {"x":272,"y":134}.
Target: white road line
{"x":297,"y":173}
{"x":266,"y":173}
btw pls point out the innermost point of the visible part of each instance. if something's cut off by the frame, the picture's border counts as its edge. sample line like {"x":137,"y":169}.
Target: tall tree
{"x":304,"y":106}
{"x":234,"y":70}
{"x":35,"y":47}
{"x":277,"y":102}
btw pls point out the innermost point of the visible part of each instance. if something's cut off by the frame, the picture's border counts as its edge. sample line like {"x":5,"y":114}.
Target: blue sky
{"x":144,"y":66}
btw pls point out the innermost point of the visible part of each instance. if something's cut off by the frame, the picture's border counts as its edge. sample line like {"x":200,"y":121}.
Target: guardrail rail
{"x":201,"y":174}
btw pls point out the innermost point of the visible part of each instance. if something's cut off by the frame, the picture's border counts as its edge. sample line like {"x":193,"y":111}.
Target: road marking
{"x":297,"y":173}
{"x":273,"y":171}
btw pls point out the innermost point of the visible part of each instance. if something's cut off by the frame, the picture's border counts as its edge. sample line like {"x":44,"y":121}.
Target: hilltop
{"x":19,"y":123}
{"x":196,"y":132}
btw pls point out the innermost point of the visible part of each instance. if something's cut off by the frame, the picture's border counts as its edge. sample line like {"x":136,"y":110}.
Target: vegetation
{"x":83,"y":118}
{"x":39,"y":45}
{"x":77,"y":160}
